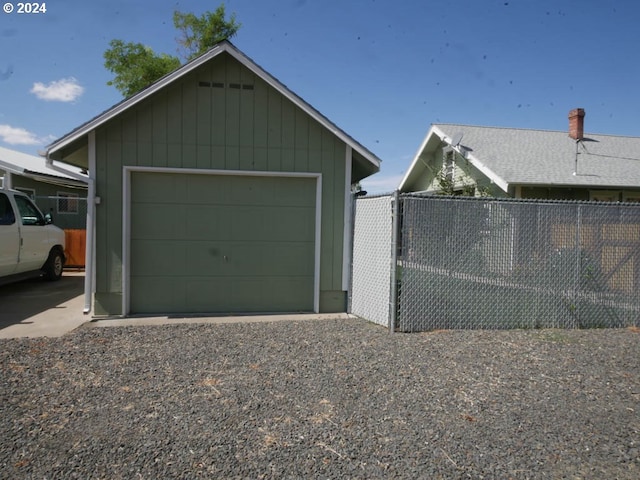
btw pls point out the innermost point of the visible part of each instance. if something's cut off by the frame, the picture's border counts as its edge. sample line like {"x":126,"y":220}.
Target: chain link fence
{"x":468,"y":263}
{"x":372,"y":259}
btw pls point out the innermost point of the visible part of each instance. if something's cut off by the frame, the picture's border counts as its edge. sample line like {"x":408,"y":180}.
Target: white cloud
{"x":18,"y":136}
{"x":65,"y":90}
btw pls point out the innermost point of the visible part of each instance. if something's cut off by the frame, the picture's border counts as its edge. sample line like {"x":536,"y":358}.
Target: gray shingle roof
{"x":533,"y":157}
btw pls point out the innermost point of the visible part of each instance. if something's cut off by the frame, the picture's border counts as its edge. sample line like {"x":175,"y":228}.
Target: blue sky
{"x":382,"y":70}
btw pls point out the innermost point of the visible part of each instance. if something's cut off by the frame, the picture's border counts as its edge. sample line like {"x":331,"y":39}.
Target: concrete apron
{"x":36,"y":308}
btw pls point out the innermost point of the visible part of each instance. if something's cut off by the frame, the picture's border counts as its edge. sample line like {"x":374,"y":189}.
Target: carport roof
{"x":34,"y":167}
{"x":77,"y":138}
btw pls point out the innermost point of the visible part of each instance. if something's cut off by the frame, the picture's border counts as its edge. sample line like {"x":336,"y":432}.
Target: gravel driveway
{"x":320,"y":399}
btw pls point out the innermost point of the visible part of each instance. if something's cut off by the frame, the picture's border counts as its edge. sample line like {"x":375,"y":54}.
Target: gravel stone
{"x":320,"y":399}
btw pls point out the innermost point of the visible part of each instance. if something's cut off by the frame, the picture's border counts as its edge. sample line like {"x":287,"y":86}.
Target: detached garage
{"x":216,"y":190}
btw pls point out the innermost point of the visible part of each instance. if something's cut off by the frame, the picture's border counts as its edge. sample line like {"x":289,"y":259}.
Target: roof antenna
{"x":456,"y":139}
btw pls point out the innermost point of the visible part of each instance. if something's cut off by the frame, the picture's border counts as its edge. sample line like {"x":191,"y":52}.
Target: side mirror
{"x":48,"y":219}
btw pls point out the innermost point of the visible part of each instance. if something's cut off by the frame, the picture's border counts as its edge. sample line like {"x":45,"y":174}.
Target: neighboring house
{"x":518,"y":163}
{"x":217,"y":189}
{"x":60,"y":194}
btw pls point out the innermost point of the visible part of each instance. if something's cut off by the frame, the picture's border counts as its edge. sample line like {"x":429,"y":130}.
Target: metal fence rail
{"x":469,"y":263}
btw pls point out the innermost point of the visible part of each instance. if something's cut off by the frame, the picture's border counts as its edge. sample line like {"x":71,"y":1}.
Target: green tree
{"x":201,"y":33}
{"x":136,"y":66}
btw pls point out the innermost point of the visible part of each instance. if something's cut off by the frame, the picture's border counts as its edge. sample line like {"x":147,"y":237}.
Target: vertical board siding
{"x":189,"y":110}
{"x":260,"y":114}
{"x":200,"y":122}
{"x":174,"y":116}
{"x":204,"y":114}
{"x":160,"y":114}
{"x":275,"y":118}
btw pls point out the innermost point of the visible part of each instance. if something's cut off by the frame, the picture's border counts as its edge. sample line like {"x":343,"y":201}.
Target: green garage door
{"x":219,"y":243}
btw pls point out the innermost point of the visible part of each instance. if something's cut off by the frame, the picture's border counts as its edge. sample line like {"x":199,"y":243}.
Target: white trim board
{"x":126,"y":219}
{"x":348,"y":231}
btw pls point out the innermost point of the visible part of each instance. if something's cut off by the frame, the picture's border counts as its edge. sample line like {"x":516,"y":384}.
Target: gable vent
{"x":235,"y":86}
{"x":211,"y":84}
{"x":243,"y":86}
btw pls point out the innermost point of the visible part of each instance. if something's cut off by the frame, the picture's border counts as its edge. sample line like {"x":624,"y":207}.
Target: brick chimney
{"x":576,"y":123}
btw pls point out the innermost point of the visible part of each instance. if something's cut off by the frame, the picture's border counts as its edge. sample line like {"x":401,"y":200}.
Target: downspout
{"x":7,"y":181}
{"x":91,"y":203}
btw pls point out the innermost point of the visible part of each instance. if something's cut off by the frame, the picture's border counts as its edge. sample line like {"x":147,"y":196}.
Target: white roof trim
{"x":416,"y":157}
{"x":499,"y":181}
{"x":224,"y":46}
{"x":476,"y":162}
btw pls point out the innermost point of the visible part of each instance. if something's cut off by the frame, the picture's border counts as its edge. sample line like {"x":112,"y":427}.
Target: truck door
{"x":34,"y":248}
{"x":9,"y":237}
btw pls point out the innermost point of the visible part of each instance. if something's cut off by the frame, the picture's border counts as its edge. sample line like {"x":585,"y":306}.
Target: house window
{"x":67,"y":202}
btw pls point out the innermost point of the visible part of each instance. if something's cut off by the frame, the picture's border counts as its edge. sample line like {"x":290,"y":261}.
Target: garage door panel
{"x":270,"y":259}
{"x":263,"y":293}
{"x":208,"y":222}
{"x":221,"y":259}
{"x":272,"y":223}
{"x":205,"y":189}
{"x":164,"y":221}
{"x":204,"y":259}
{"x":297,"y":194}
{"x":210,"y":295}
{"x":297,"y":258}
{"x":222,"y":243}
{"x":157,"y":294}
{"x":290,"y":224}
{"x":292,"y":293}
{"x":157,"y":257}
{"x":154,"y":188}
{"x":203,"y":293}
{"x":270,"y":191}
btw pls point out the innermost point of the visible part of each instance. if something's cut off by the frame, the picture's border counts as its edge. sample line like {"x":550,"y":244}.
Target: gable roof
{"x":224,"y":46}
{"x":19,"y":163}
{"x":511,"y":156}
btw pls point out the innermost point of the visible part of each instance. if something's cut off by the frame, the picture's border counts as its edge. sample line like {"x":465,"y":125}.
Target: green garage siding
{"x":210,"y":243}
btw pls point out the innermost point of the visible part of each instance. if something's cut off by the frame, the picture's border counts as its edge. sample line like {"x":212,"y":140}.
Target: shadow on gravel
{"x":22,"y":300}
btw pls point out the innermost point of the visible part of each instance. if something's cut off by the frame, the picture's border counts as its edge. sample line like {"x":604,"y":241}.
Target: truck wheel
{"x":54,"y":266}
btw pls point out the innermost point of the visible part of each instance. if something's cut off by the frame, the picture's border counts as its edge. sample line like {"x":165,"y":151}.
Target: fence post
{"x":393,"y":303}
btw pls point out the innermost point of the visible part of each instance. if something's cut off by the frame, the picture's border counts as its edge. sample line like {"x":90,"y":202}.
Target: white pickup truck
{"x":29,"y":244}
